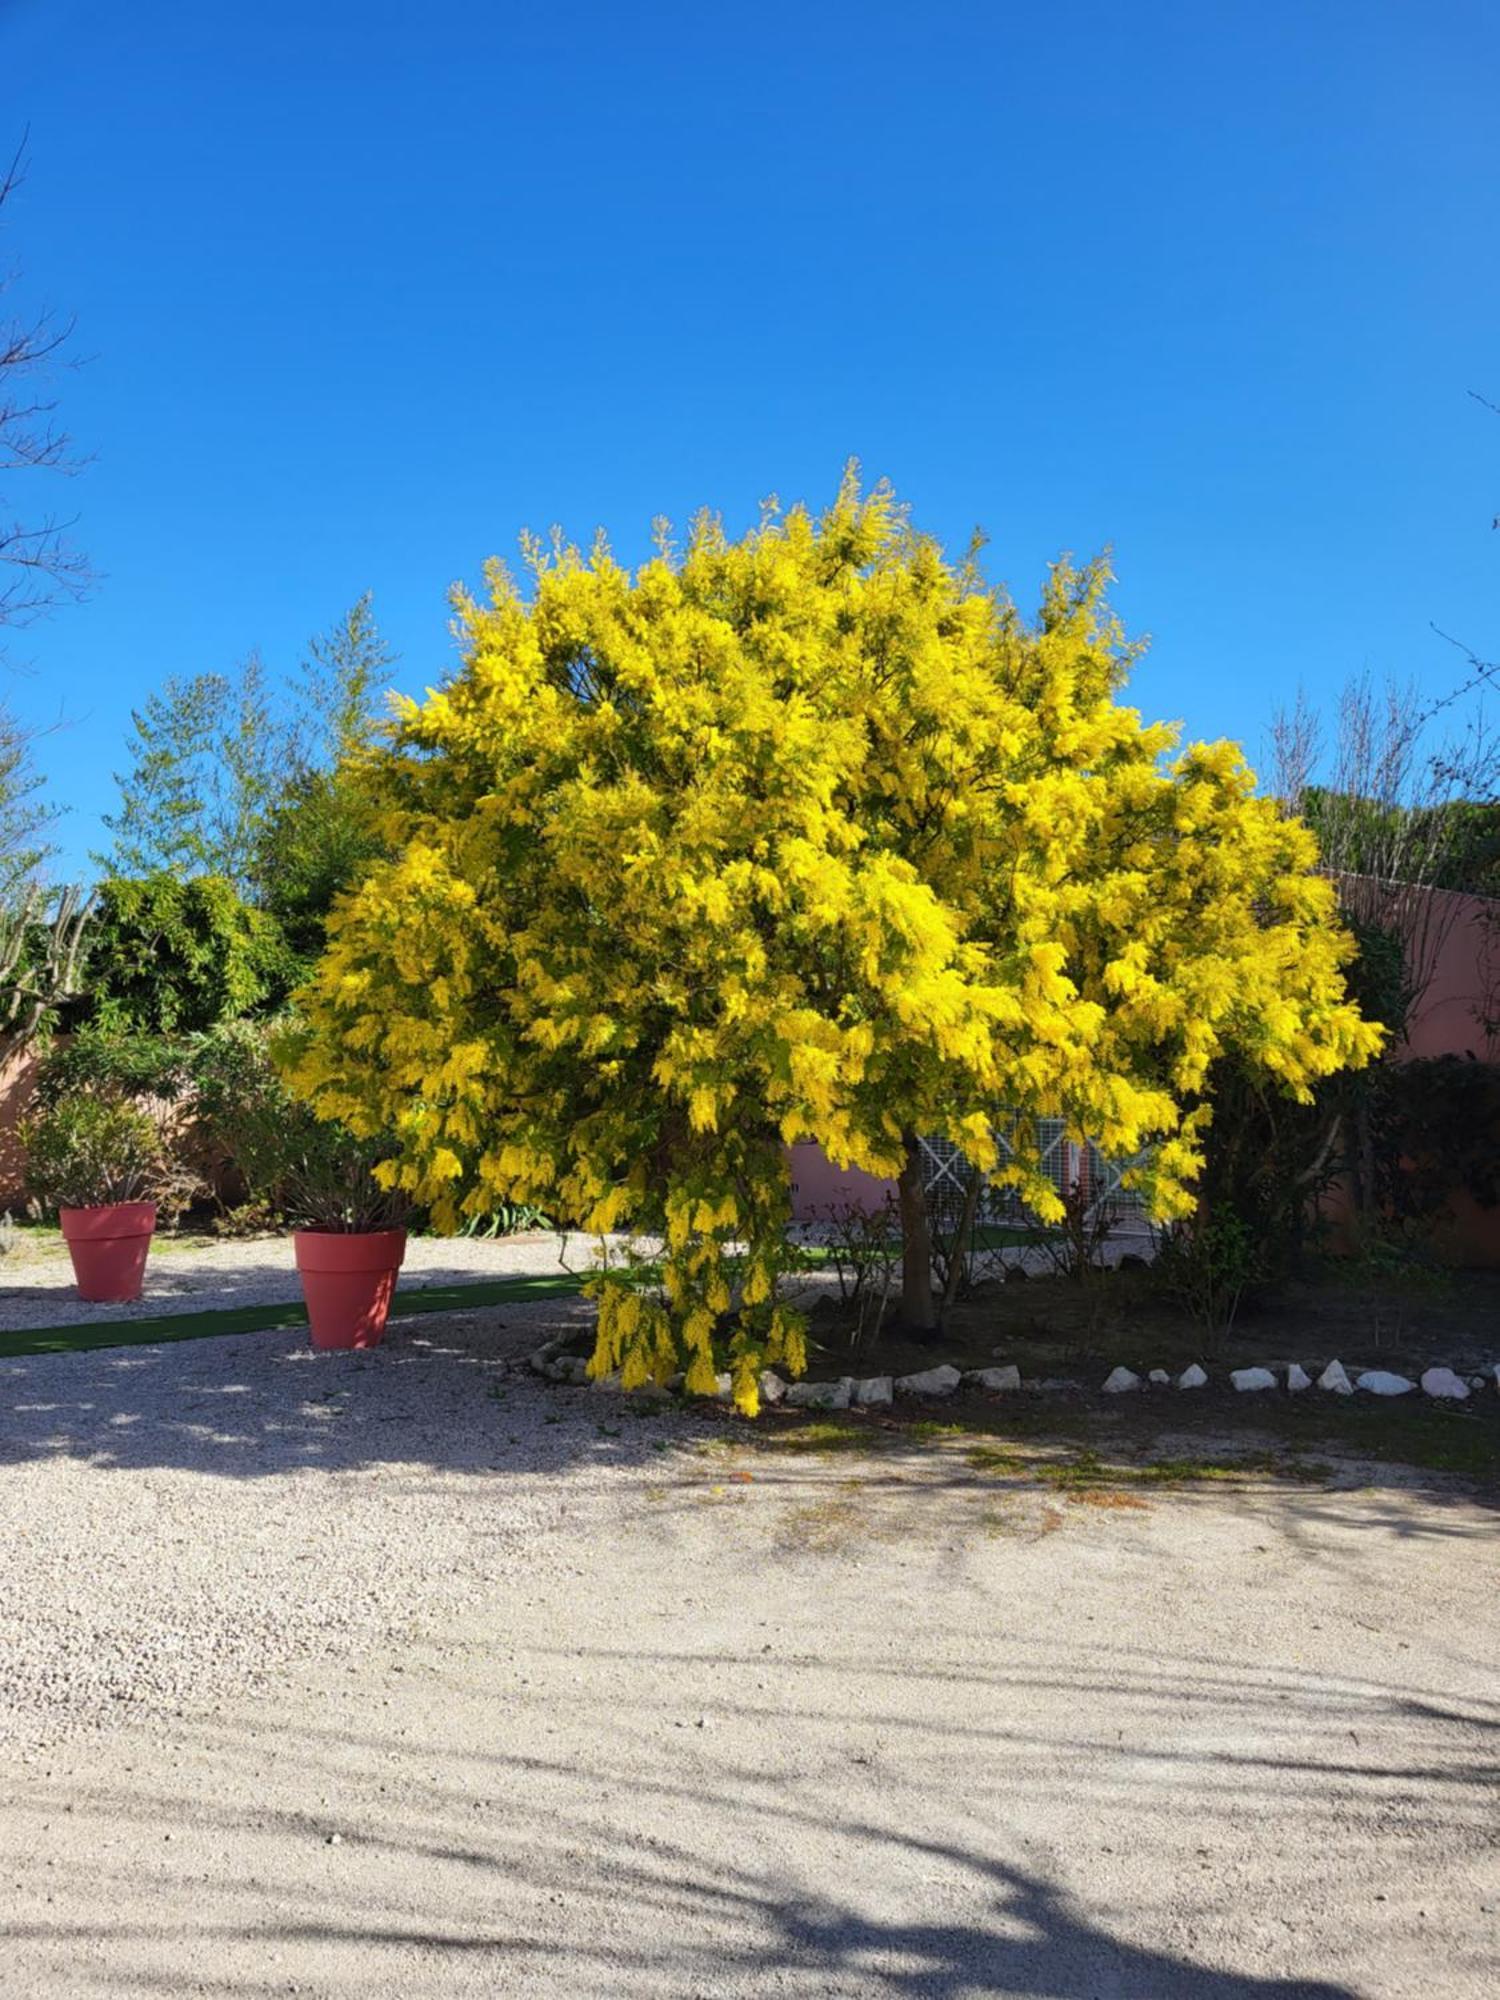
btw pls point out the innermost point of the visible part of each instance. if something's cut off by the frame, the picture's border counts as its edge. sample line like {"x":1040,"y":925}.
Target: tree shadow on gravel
{"x":771,"y":1854}
{"x":454,"y":1392}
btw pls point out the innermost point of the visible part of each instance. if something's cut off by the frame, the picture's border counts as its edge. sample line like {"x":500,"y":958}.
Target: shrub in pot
{"x":100,"y":1161}
{"x":349,"y":1232}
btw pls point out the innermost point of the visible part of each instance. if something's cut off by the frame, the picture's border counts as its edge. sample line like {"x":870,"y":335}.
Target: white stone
{"x":1381,"y":1382}
{"x":1119,"y":1380}
{"x":1333,"y":1377}
{"x":1477,"y":1382}
{"x":1443,"y":1382}
{"x":996,"y":1379}
{"x":818,"y":1395}
{"x":1252,"y":1378}
{"x":940,"y":1381}
{"x":772,"y":1388}
{"x":723,"y":1387}
{"x":1297,"y":1378}
{"x":1159,"y":1376}
{"x":872,"y":1389}
{"x":1193,"y":1377}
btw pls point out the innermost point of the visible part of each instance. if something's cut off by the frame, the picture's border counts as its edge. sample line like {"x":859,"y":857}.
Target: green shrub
{"x":317,"y":1175}
{"x":87,"y":1150}
{"x":178,"y":957}
{"x":115,"y":1063}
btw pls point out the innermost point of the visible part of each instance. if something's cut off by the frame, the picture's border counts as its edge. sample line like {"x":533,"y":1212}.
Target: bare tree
{"x":39,"y":566}
{"x":1387,"y":802}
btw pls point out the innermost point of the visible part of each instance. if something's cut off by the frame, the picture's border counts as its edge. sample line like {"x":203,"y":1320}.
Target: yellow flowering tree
{"x":805,"y":835}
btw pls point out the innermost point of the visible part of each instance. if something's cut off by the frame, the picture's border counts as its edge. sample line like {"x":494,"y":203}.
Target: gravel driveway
{"x":400,"y":1674}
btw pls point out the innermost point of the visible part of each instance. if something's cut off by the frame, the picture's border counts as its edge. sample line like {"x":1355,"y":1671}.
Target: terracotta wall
{"x":17,"y":1083}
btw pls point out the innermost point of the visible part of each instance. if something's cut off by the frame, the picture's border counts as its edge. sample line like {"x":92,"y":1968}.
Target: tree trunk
{"x":918,"y":1307}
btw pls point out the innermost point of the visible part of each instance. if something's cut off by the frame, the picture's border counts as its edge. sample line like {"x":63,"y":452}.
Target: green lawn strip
{"x":269,"y":1318}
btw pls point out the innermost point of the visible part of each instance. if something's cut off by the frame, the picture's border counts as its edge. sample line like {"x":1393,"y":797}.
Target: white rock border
{"x":556,"y":1362}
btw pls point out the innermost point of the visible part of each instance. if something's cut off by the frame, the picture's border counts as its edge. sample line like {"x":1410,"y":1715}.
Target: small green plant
{"x":87,"y":1150}
{"x":508,"y":1220}
{"x":1205,"y":1266}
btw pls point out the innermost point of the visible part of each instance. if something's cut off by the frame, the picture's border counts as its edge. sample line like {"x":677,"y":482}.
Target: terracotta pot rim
{"x":108,"y":1219}
{"x":349,"y":1250}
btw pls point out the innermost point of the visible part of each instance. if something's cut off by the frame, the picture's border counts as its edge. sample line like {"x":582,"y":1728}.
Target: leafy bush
{"x":318,"y":1175}
{"x":1206,"y":1265}
{"x":115,"y":1064}
{"x":88,"y":1150}
{"x":178,"y":957}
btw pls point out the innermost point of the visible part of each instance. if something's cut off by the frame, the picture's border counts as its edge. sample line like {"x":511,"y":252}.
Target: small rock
{"x":1477,"y":1382}
{"x":819,"y":1395}
{"x":335,"y":1840}
{"x":723,"y":1387}
{"x":940,"y":1381}
{"x":1334,"y":1378}
{"x":1119,"y":1380}
{"x":1443,"y":1382}
{"x":1160,"y":1377}
{"x":1252,"y":1378}
{"x":1297,"y":1378}
{"x":995,"y":1379}
{"x":772,"y":1388}
{"x":1381,"y":1382}
{"x":873,"y":1389}
{"x":1193,"y":1377}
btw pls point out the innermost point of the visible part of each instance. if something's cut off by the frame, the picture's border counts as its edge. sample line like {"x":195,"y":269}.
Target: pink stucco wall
{"x":818,"y":1185}
{"x":1463,"y":982}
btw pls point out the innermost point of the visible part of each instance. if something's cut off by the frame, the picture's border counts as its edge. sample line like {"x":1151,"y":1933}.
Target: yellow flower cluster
{"x":808,"y":834}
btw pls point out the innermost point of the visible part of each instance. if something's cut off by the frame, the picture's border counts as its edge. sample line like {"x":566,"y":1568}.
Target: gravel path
{"x":199,"y":1274}
{"x":367,"y":1676}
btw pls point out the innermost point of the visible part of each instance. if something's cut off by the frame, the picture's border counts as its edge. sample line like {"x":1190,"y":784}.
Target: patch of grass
{"x":1085,"y":1473}
{"x":827,"y":1438}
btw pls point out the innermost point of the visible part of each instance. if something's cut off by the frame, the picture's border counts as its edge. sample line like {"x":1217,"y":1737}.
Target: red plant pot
{"x":348,"y":1283}
{"x":108,"y":1246}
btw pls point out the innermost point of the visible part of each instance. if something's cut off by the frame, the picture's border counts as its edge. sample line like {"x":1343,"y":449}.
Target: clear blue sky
{"x":369,"y":287}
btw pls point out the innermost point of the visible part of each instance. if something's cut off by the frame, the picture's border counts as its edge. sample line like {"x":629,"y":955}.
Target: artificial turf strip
{"x":267,"y":1318}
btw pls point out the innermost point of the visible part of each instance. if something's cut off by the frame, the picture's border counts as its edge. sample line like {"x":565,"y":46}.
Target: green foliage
{"x":1206,"y":1265}
{"x":177,"y":957}
{"x":90,"y":1148}
{"x":316,"y":1174}
{"x":25,"y":821}
{"x":123,"y":1065}
{"x":315,"y":842}
{"x":206,"y":760}
{"x":219,"y":760}
{"x":509,"y":1220}
{"x":1446,"y":844}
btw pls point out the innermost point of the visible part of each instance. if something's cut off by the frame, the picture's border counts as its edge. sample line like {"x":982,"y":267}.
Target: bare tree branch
{"x":40,"y":565}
